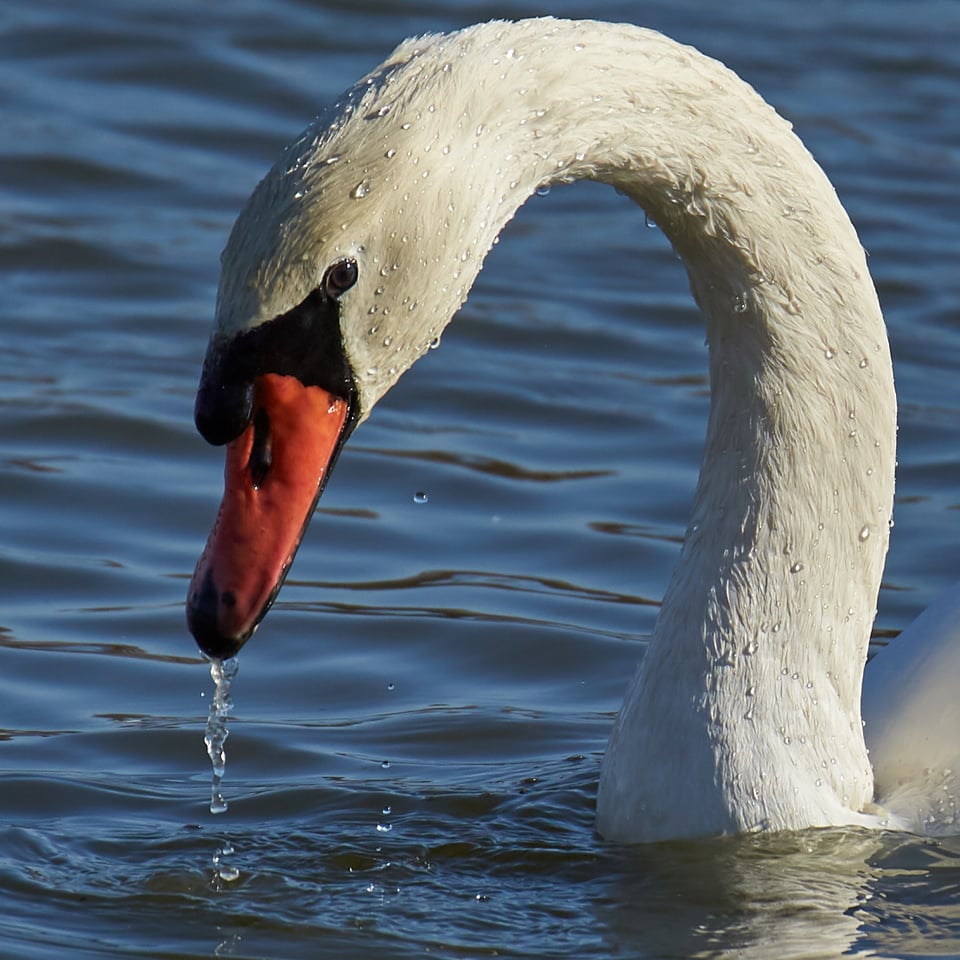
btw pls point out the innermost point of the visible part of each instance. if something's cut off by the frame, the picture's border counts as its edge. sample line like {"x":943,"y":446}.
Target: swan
{"x":362,"y":242}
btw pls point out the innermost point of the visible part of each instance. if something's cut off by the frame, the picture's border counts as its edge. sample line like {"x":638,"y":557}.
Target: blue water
{"x":417,"y":728}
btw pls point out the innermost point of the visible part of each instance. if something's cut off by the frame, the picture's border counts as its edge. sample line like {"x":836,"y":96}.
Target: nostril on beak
{"x":261,"y":454}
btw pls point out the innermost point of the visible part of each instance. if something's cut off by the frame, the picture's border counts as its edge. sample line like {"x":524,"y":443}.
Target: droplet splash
{"x":222,"y":672}
{"x":221,"y":868}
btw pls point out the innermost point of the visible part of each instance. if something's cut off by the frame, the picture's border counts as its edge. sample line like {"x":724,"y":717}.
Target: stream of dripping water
{"x":223,"y":673}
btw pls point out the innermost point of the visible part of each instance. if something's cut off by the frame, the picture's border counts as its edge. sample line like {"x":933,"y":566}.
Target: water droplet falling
{"x":223,"y":870}
{"x":420,"y":497}
{"x":222,"y":672}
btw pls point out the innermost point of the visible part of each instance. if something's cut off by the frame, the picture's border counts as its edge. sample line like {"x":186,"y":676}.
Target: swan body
{"x":359,"y":246}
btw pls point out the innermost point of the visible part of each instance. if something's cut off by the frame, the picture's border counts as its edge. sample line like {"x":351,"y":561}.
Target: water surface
{"x":417,"y":728}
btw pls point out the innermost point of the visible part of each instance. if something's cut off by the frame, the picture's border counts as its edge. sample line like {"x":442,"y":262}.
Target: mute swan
{"x":362,"y":242}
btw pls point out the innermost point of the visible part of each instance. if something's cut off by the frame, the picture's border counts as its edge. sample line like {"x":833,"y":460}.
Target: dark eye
{"x":339,"y":278}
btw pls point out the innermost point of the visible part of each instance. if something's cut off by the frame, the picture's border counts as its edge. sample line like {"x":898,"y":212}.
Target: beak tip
{"x":204,"y":604}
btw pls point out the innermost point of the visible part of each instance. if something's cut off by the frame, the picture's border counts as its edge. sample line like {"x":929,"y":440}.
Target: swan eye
{"x":339,"y":278}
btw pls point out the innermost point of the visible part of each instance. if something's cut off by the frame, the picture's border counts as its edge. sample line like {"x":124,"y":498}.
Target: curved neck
{"x":749,"y":693}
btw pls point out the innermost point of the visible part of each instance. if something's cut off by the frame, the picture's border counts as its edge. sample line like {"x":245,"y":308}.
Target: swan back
{"x":911,"y":716}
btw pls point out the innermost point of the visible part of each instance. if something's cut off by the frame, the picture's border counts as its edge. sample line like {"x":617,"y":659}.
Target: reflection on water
{"x":790,"y":897}
{"x":826,"y":893}
{"x":478,"y":639}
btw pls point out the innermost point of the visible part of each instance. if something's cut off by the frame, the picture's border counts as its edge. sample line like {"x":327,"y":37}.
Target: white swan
{"x":362,"y":242}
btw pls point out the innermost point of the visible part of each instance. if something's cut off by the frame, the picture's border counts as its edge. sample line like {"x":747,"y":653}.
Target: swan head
{"x":343,"y":268}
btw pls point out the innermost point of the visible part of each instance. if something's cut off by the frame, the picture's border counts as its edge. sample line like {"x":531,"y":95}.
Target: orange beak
{"x":274,"y":474}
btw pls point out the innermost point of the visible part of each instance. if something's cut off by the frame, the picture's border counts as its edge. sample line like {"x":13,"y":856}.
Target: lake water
{"x":417,"y":729}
